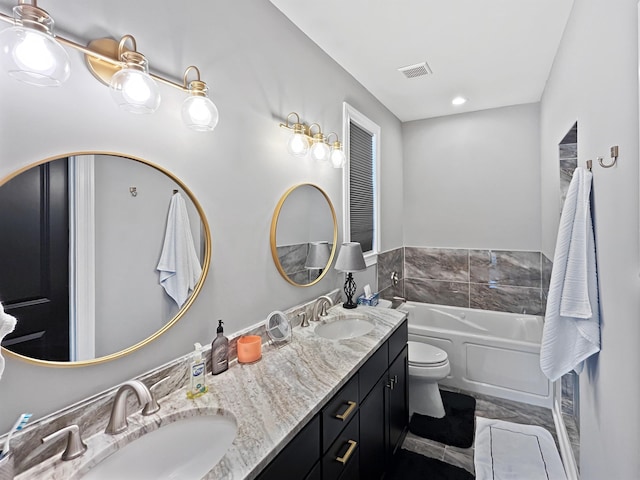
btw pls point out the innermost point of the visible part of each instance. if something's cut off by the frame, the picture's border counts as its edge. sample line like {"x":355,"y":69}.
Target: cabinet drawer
{"x":398,"y":340}
{"x":343,"y":453}
{"x":337,"y":413}
{"x":372,"y":370}
{"x":298,"y":457}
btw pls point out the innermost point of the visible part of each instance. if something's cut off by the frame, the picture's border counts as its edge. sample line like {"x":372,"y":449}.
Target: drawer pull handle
{"x":347,"y":412}
{"x":352,"y":446}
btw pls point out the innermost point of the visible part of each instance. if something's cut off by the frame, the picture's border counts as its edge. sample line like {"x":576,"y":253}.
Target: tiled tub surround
{"x":500,"y":280}
{"x":270,"y":400}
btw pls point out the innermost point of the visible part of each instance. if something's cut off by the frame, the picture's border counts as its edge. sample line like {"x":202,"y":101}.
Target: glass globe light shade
{"x":337,"y":157}
{"x":199,"y":113}
{"x":132,"y":88}
{"x":33,"y":56}
{"x":298,"y":145}
{"x":320,"y":151}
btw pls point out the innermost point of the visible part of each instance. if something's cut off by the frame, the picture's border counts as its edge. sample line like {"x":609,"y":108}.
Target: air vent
{"x":417,"y":70}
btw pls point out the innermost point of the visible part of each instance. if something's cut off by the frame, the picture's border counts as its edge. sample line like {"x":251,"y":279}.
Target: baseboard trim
{"x":566,"y":452}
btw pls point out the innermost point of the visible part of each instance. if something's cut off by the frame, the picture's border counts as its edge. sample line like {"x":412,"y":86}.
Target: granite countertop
{"x":270,"y":400}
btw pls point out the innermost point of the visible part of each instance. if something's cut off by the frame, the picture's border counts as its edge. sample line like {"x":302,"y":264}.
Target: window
{"x":361,"y":192}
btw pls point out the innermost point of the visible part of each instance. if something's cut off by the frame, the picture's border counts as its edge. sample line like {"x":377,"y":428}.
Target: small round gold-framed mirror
{"x":304,"y":233}
{"x":84,"y":268}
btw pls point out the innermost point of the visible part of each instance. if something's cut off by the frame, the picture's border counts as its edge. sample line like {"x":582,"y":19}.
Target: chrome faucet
{"x":321,"y":305}
{"x":118,"y":419}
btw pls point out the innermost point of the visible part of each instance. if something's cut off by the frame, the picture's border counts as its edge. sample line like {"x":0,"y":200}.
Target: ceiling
{"x":492,"y":52}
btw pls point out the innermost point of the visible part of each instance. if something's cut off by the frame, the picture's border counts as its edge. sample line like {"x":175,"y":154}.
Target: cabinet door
{"x":373,"y":432}
{"x":297,"y":458}
{"x":398,"y":399}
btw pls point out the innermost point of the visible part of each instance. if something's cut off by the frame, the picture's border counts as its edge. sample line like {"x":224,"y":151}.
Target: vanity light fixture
{"x":31,"y":53}
{"x":304,"y":140}
{"x":350,"y":259}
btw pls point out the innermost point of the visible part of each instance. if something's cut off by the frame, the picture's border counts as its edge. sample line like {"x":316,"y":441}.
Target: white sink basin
{"x":344,"y":328}
{"x":185,"y":449}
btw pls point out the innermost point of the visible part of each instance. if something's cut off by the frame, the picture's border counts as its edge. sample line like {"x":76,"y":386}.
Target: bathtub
{"x":492,"y":353}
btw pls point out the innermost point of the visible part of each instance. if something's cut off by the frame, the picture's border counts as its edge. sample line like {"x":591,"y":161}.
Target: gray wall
{"x":473,"y":180}
{"x":259,"y":68}
{"x":594,"y":81}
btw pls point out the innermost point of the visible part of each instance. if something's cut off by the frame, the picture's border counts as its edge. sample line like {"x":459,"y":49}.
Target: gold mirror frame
{"x":274,"y":227}
{"x":206,"y":262}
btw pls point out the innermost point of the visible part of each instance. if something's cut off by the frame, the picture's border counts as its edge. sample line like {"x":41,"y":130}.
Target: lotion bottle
{"x":197,"y":370}
{"x":219,"y":352}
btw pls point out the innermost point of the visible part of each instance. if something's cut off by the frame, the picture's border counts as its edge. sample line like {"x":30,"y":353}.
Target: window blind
{"x":361,"y":186}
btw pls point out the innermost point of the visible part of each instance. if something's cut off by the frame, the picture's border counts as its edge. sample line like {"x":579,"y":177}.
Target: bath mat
{"x":512,"y":451}
{"x":409,"y":465}
{"x":455,"y":428}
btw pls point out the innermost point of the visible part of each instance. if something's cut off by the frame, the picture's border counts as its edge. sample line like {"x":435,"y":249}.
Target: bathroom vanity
{"x":358,"y":430}
{"x":313,"y":408}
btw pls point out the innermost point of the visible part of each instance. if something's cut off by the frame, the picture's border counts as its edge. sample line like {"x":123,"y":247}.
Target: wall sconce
{"x":303,"y":141}
{"x":31,"y":53}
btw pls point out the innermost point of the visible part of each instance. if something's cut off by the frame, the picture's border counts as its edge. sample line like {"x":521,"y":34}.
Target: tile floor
{"x":487,"y":407}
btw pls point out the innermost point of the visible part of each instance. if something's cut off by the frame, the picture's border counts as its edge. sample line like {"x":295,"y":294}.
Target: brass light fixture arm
{"x":97,"y":55}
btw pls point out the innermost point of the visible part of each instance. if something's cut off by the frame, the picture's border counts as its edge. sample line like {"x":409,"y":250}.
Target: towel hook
{"x":589,"y":164}
{"x":614,"y":155}
{"x":175,"y":191}
{"x":133,"y":191}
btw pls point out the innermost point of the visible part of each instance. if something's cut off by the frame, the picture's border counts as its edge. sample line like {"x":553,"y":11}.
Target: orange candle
{"x":249,"y":348}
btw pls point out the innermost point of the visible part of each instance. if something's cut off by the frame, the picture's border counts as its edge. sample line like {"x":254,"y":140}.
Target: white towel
{"x":7,"y":324}
{"x":571,"y":330}
{"x":179,"y":266}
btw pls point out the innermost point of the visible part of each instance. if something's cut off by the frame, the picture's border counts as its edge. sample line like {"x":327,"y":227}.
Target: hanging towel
{"x":7,"y":324}
{"x":179,"y":266}
{"x":571,"y":330}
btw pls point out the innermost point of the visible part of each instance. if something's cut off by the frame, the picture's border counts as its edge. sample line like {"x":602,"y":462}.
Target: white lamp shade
{"x":199,"y":113}
{"x":318,"y":255}
{"x":350,"y":258}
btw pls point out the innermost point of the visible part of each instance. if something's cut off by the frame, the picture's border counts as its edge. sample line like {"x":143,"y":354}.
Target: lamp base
{"x":349,"y":304}
{"x":349,"y":291}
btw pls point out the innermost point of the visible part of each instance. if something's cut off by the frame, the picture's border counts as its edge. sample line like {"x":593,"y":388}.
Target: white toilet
{"x":427,"y":366}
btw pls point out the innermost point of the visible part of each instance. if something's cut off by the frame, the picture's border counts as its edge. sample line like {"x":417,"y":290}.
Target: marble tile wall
{"x":292,"y":258}
{"x":389,"y":262}
{"x":507,"y":281}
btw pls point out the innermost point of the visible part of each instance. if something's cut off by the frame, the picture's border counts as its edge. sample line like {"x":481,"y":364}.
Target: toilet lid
{"x":424,"y":354}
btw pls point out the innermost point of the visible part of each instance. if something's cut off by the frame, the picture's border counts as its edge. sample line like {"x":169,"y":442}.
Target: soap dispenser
{"x":219,"y":351}
{"x":197,"y":370}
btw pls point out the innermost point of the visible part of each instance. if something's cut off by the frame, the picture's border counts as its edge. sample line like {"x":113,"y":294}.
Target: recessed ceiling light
{"x":458,"y":100}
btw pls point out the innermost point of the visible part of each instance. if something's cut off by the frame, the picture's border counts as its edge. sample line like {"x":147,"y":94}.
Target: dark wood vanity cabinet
{"x":358,"y":431}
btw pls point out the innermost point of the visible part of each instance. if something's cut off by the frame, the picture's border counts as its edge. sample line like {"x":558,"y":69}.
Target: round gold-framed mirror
{"x":105,"y":222}
{"x":304,"y":232}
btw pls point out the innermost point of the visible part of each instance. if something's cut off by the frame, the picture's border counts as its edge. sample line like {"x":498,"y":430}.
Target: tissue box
{"x":371,"y":301}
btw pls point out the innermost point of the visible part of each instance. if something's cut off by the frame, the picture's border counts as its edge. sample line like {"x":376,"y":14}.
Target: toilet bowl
{"x":427,"y":366}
